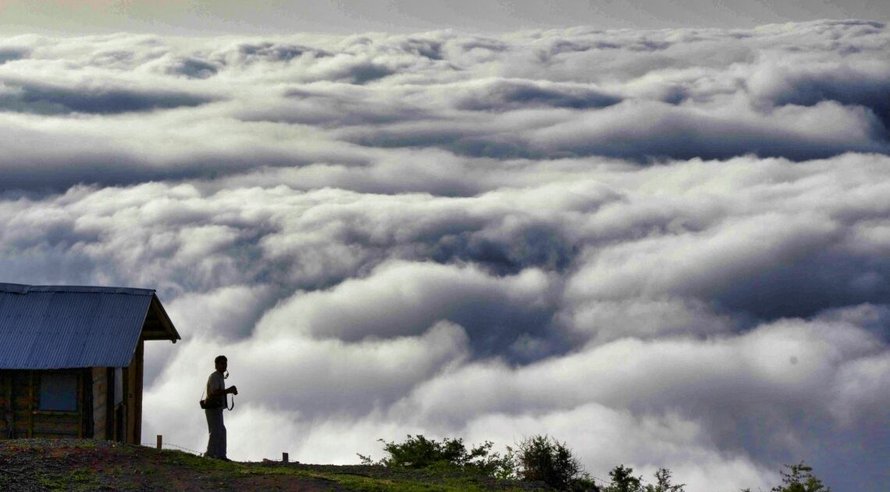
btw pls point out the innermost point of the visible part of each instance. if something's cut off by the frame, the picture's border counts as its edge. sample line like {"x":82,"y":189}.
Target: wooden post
{"x":284,"y":457}
{"x":31,"y":408}
{"x":160,"y":441}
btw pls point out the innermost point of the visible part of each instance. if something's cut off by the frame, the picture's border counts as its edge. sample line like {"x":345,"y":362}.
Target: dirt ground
{"x":40,"y":465}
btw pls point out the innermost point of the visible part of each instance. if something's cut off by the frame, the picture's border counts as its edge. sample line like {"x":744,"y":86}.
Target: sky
{"x":663,"y":240}
{"x":206,"y":17}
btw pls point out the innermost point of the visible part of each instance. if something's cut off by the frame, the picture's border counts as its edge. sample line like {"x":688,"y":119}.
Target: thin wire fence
{"x":170,"y":445}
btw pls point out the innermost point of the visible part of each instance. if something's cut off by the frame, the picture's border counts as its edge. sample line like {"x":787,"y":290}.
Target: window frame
{"x":73,"y":382}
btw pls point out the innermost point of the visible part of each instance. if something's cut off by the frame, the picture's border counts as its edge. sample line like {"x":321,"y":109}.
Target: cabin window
{"x":58,"y":392}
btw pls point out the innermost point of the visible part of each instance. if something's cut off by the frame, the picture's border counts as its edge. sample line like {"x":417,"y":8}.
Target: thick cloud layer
{"x":667,"y":248}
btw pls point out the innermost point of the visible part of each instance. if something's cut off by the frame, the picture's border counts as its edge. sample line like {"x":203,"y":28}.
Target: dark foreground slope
{"x":38,"y":465}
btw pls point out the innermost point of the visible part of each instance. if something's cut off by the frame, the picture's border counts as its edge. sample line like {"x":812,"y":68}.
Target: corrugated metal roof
{"x":54,"y":327}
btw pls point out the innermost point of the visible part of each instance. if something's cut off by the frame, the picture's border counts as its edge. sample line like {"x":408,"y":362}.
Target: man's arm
{"x":220,"y":392}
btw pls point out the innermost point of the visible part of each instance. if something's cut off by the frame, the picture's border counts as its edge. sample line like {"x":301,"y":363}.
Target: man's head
{"x":221,"y":363}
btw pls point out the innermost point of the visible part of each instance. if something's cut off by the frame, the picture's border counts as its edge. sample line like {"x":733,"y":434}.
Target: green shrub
{"x":547,"y":460}
{"x":420,"y":452}
{"x":800,"y":478}
{"x":663,"y":483}
{"x":624,"y":481}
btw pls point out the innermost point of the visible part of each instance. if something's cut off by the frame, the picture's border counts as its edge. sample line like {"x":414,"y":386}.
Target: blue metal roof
{"x":55,"y":327}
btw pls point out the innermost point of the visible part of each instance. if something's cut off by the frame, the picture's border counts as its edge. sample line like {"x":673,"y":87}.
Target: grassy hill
{"x":42,"y":464}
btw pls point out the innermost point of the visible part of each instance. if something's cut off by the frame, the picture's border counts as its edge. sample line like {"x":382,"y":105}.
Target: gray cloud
{"x":863,"y":85}
{"x":506,"y":95}
{"x":646,"y":130}
{"x":8,"y":54}
{"x":668,"y":248}
{"x":502,"y":316}
{"x":50,"y":99}
{"x":193,"y":67}
{"x":274,"y":52}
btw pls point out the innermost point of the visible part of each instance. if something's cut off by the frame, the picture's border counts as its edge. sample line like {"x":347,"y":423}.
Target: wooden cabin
{"x":71,"y":360}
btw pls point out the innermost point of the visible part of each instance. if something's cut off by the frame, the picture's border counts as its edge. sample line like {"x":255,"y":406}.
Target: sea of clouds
{"x":665,"y":248}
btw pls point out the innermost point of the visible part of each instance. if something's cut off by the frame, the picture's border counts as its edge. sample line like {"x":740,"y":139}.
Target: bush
{"x":420,"y":452}
{"x":544,"y":459}
{"x":624,"y":481}
{"x":663,"y":482}
{"x":800,"y":478}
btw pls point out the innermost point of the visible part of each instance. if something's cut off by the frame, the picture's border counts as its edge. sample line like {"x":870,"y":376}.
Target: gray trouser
{"x":216,"y":445}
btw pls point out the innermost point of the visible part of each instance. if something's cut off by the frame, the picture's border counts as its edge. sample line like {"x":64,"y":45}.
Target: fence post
{"x":160,"y":441}
{"x":284,"y":457}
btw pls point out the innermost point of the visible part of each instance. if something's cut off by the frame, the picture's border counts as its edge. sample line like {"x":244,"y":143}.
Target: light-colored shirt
{"x":216,"y":381}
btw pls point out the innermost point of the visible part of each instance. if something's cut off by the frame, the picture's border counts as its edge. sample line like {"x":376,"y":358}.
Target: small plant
{"x":800,"y":478}
{"x":624,"y":481}
{"x":492,"y":464}
{"x":544,"y":459}
{"x":663,"y":482}
{"x":420,"y":452}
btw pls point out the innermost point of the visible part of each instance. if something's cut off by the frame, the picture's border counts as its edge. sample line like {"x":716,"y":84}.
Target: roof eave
{"x":167,"y":331}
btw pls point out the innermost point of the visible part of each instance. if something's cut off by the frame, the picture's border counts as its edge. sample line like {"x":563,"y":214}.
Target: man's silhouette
{"x":216,"y":402}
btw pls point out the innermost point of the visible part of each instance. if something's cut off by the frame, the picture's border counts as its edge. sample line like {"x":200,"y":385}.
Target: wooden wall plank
{"x":48,"y":425}
{"x":6,"y":407}
{"x":137,"y":420}
{"x":31,"y":406}
{"x":100,"y":403}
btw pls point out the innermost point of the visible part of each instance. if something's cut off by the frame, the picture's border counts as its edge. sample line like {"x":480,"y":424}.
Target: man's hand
{"x":233,"y":390}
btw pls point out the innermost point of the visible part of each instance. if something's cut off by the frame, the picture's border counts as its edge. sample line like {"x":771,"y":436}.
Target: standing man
{"x":216,"y":402}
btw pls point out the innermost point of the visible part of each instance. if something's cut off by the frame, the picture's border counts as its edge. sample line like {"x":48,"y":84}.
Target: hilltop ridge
{"x":87,"y":465}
